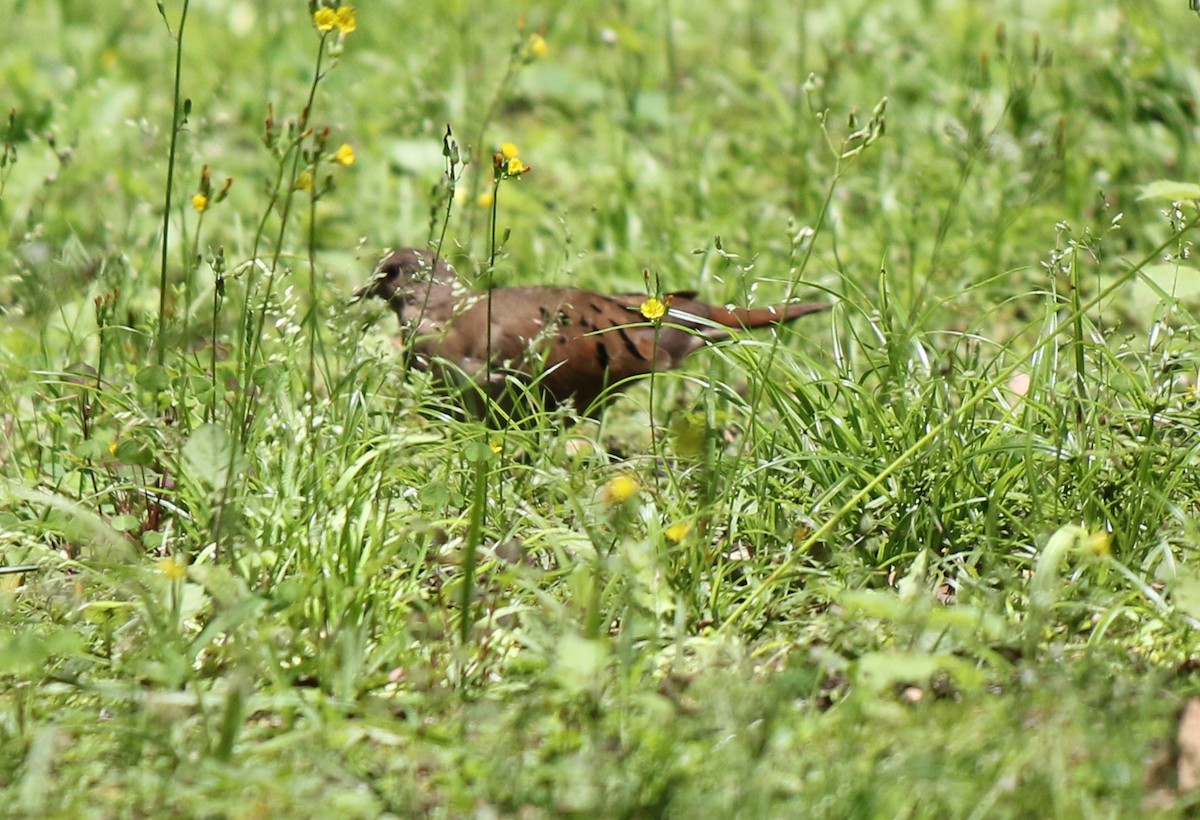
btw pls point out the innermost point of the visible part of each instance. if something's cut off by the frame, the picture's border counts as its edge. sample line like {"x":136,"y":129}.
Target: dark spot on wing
{"x":629,"y":345}
{"x":602,"y":355}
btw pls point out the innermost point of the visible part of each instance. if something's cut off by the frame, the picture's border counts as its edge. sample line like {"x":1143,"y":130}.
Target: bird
{"x":567,"y":342}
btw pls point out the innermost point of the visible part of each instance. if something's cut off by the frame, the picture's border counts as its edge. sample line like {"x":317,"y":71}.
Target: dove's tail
{"x":755,"y":317}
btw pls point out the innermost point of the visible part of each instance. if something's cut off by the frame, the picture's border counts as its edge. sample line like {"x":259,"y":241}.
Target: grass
{"x":929,"y":555}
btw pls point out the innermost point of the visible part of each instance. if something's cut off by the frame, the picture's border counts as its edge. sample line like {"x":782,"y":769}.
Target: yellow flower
{"x":653,"y":309}
{"x":172,"y":568}
{"x":506,"y":163}
{"x":344,"y":155}
{"x":537,"y":45}
{"x":1100,"y":544}
{"x":304,"y":182}
{"x":343,"y":18}
{"x":496,"y":447}
{"x":677,"y":532}
{"x":346,"y":20}
{"x":485,"y":200}
{"x":200,"y":203}
{"x":619,"y":489}
{"x":324,"y":19}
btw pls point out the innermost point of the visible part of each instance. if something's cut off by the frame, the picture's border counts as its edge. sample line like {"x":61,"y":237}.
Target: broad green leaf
{"x":153,"y":378}
{"x":72,"y":519}
{"x":579,"y":663}
{"x":208,"y":454}
{"x":27,"y":652}
{"x":434,"y":496}
{"x":1185,"y":592}
{"x":878,"y":671}
{"x":1170,"y":190}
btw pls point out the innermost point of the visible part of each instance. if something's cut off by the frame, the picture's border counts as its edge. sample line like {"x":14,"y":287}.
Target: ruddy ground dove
{"x":568,"y":342}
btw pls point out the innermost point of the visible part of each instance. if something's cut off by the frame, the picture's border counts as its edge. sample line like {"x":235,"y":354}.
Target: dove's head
{"x":404,"y":274}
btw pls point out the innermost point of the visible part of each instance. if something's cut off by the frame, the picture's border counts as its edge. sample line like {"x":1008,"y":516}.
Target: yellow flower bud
{"x":172,"y":568}
{"x":1100,"y":544}
{"x":620,"y":489}
{"x":677,"y":532}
